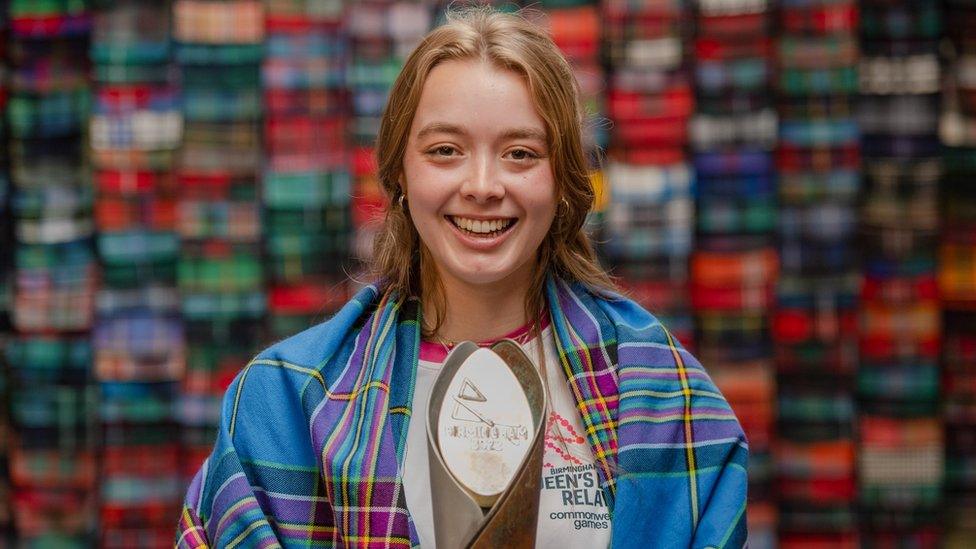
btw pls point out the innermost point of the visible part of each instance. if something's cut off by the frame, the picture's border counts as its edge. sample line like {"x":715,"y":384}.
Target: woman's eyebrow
{"x":453,"y":129}
{"x":524,"y":133}
{"x":440,"y":127}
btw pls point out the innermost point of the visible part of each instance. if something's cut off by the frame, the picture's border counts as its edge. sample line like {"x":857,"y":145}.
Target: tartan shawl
{"x":313,"y":432}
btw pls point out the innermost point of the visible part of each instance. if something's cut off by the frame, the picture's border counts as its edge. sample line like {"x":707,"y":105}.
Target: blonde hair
{"x":401,"y":262}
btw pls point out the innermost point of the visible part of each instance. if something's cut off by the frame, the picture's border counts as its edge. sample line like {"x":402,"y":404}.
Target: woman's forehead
{"x":467,"y":97}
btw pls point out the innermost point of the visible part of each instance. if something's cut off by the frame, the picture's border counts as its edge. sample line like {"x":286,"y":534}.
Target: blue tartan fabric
{"x":313,"y":432}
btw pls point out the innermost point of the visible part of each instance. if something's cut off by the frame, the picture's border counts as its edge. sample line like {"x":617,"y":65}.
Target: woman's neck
{"x":481,"y":313}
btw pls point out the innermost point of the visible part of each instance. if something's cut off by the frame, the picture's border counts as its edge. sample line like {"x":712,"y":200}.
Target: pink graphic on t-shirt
{"x":567,"y":435}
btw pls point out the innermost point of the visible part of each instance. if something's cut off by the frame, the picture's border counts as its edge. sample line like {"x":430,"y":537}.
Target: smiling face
{"x":477,"y":177}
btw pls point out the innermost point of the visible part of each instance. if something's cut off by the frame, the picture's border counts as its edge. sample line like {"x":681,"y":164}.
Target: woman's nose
{"x":483,"y":183}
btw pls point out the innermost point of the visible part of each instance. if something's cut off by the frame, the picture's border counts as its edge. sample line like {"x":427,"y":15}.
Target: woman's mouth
{"x":482,"y":228}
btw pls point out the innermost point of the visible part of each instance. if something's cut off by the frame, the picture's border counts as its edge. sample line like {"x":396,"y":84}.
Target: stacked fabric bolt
{"x":649,"y":219}
{"x":6,"y":520}
{"x":959,"y":396}
{"x":306,"y":188}
{"x":957,"y":282}
{"x":6,"y":260}
{"x":734,"y":265}
{"x":381,"y":34}
{"x":139,"y":347}
{"x":575,"y":28}
{"x":52,"y":453}
{"x":6,"y":229}
{"x":219,"y":49}
{"x":815,"y":324}
{"x":900,"y":471}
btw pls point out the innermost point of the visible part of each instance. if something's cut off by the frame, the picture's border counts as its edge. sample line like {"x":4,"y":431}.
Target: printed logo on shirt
{"x":570,"y":485}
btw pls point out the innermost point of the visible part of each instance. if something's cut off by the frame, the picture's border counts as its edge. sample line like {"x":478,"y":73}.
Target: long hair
{"x":507,"y":41}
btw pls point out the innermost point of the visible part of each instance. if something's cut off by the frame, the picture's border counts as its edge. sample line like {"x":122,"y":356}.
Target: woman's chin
{"x":486,"y":272}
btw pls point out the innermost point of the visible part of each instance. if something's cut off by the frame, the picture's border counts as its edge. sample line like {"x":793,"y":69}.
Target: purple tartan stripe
{"x":703,"y":430}
{"x":678,"y":413}
{"x":293,"y":508}
{"x":189,"y":531}
{"x":580,"y":322}
{"x":226,"y":517}
{"x":352,"y":374}
{"x":376,"y":430}
{"x":642,"y":374}
{"x":653,"y":356}
{"x":581,"y":346}
{"x":357,"y":441}
{"x":192,"y":498}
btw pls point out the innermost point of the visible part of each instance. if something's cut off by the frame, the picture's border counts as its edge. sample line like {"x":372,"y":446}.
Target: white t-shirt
{"x":572,"y":512}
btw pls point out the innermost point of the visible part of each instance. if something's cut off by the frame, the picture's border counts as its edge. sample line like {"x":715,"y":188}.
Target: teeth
{"x":481,"y":227}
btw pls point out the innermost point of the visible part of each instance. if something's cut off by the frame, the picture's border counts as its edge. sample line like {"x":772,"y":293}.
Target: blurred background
{"x":791,"y":186}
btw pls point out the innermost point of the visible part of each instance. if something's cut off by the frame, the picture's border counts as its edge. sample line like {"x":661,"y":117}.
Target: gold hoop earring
{"x":565,"y":204}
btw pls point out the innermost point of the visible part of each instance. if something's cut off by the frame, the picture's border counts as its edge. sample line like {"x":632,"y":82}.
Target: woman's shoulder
{"x":274,"y":395}
{"x":301,"y":364}
{"x":314,"y":347}
{"x":633,"y":321}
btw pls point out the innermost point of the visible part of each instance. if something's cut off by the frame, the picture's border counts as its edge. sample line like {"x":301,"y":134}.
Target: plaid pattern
{"x":53,"y":114}
{"x":54,"y":515}
{"x":307,"y":10}
{"x":741,"y":74}
{"x":116,"y":212}
{"x":221,"y":105}
{"x":223,"y":305}
{"x":51,"y":471}
{"x":957,"y":273}
{"x":54,"y":287}
{"x":236,"y":221}
{"x":145,"y":130}
{"x":218,"y":22}
{"x":132,"y":24}
{"x":228,"y":270}
{"x":138,"y":346}
{"x":42,"y":360}
{"x":656,"y":424}
{"x":49,"y":26}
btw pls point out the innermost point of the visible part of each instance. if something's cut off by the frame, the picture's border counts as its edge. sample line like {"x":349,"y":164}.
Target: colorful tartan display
{"x":307,"y":186}
{"x":649,"y":210}
{"x":219,"y":47}
{"x":900,"y":461}
{"x":6,"y":269}
{"x":139,"y":346}
{"x":815,"y":322}
{"x":52,"y":401}
{"x":184,"y":181}
{"x":734,"y":265}
{"x":956,"y":283}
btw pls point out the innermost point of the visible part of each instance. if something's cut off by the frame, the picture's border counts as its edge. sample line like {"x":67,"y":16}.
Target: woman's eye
{"x":522,"y":154}
{"x":443,"y":150}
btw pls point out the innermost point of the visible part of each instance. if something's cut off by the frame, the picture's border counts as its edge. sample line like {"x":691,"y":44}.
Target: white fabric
{"x":571,"y":508}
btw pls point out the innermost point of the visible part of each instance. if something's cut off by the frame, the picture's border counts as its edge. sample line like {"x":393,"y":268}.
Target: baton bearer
{"x":485,"y":431}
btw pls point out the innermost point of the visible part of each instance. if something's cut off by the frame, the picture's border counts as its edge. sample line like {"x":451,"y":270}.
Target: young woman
{"x":322,"y":435}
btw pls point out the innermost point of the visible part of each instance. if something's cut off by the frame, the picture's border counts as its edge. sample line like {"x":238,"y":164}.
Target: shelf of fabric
{"x":734,"y":263}
{"x":816,"y":323}
{"x":647,"y":222}
{"x":956,"y":284}
{"x":307,"y":186}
